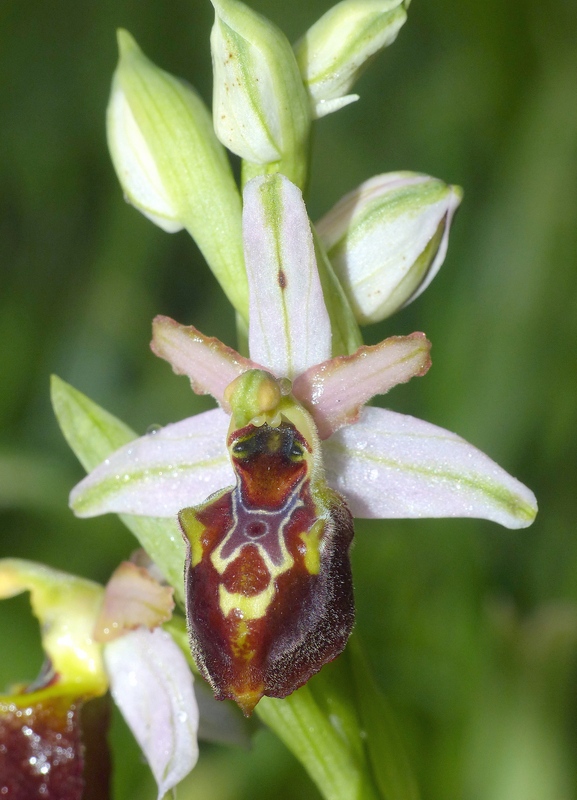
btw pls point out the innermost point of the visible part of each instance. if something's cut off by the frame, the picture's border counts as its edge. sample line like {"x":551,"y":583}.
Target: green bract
{"x":171,"y":165}
{"x":260,"y":106}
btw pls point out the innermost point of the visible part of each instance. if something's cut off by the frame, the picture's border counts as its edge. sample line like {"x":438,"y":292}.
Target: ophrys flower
{"x":290,"y":396}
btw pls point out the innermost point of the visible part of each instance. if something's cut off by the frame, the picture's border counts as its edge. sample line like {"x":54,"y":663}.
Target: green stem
{"x":307,"y":732}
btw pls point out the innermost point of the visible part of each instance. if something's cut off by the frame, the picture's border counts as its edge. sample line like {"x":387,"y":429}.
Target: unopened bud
{"x":388,"y":239}
{"x":172,"y":167}
{"x":260,"y":105}
{"x":332,"y":54}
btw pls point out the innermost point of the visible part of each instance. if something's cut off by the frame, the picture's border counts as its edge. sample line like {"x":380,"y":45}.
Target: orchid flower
{"x":382,"y":463}
{"x":95,"y":639}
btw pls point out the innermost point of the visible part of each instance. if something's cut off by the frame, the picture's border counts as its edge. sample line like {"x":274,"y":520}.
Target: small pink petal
{"x":336,"y":391}
{"x":390,"y":465}
{"x":153,"y":687}
{"x":132,"y":598}
{"x":209,"y":363}
{"x":160,"y":473}
{"x":289,"y":327}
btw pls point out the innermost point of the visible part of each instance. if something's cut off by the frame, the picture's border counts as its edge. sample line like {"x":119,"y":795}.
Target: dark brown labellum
{"x":268,"y":578}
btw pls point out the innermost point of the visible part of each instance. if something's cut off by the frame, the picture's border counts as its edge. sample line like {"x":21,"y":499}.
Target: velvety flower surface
{"x":385,"y":464}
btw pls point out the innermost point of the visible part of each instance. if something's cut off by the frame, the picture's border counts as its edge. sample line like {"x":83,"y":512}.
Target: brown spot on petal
{"x":282,"y":281}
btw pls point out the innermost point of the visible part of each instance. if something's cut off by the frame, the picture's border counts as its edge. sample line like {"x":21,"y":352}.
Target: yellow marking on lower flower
{"x":252,"y":607}
{"x":220,"y":564}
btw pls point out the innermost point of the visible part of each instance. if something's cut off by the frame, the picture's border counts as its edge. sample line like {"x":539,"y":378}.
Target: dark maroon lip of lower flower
{"x":55,"y":748}
{"x":41,"y":751}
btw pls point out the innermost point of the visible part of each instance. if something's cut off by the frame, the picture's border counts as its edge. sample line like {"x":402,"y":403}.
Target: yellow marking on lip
{"x":312,"y":542}
{"x":239,"y":642}
{"x":247,"y":700}
{"x":193,"y":530}
{"x":253,"y":607}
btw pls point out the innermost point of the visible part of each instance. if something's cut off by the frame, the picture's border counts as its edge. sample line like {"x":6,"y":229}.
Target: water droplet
{"x":153,"y":429}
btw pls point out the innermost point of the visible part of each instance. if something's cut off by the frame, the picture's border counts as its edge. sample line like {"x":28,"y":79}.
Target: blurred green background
{"x":471,"y":629}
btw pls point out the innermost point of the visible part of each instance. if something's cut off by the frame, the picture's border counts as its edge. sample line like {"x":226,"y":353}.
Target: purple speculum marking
{"x":258,"y":526}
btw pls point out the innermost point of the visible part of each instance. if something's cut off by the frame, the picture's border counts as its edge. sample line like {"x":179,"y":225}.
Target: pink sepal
{"x":160,"y":473}
{"x":289,"y":327}
{"x":391,"y":465}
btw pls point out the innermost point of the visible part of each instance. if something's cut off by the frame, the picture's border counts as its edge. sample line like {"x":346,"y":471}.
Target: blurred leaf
{"x":387,"y":754}
{"x":32,"y":480}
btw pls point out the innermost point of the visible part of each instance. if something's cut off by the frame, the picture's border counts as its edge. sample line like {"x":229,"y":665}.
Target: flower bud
{"x":387,"y":240}
{"x":171,"y":165}
{"x":332,"y":54}
{"x":260,"y":106}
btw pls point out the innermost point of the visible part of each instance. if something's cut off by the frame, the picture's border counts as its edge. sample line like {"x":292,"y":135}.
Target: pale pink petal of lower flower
{"x":152,"y":685}
{"x":209,"y":363}
{"x":289,"y":327}
{"x":390,"y":465}
{"x":159,"y":474}
{"x":336,"y":391}
{"x":132,"y":599}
